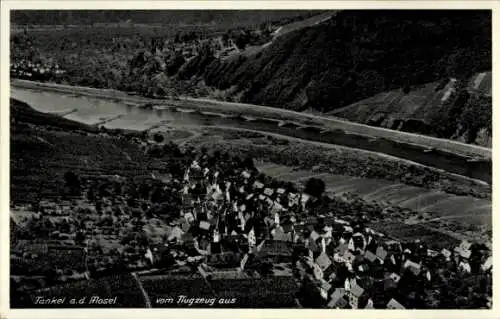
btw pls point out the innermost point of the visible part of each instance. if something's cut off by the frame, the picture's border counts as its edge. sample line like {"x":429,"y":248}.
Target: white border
{"x":7,"y":5}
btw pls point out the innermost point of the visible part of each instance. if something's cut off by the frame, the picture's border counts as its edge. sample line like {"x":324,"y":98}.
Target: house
{"x":464,"y":267}
{"x":268,"y":191}
{"x":323,"y":261}
{"x":338,"y":299}
{"x":487,"y":265}
{"x":246,"y":174}
{"x":204,"y":225}
{"x":413,"y":267}
{"x":355,"y":295}
{"x":465,"y":245}
{"x":381,"y":254}
{"x":314,"y":235}
{"x":393,"y":304}
{"x":324,"y":288}
{"x":371,"y":257}
{"x":258,"y":185}
{"x":446,"y":253}
{"x":464,"y":253}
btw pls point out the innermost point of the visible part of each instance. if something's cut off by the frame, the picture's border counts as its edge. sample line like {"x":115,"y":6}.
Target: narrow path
{"x":143,"y":291}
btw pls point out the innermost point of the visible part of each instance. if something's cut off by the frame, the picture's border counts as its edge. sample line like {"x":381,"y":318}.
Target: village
{"x":215,"y":221}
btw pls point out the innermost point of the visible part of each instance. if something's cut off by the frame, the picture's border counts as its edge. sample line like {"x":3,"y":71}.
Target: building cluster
{"x":235,"y":230}
{"x":25,"y":69}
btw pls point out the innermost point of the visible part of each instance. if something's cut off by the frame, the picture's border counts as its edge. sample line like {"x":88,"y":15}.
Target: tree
{"x":80,"y":237}
{"x":73,"y":183}
{"x":248,"y":163}
{"x":315,"y":187}
{"x":158,"y":138}
{"x":71,"y":179}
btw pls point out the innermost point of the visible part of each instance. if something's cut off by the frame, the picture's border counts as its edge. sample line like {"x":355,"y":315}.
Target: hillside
{"x":451,"y":108}
{"x":22,"y":112}
{"x":44,"y":147}
{"x":357,"y":55}
{"x":319,"y":61}
{"x":224,"y":18}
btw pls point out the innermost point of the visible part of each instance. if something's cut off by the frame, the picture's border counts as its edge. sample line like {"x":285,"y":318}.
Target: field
{"x":394,"y":103}
{"x":435,"y":239}
{"x":53,"y":153}
{"x":438,"y":204}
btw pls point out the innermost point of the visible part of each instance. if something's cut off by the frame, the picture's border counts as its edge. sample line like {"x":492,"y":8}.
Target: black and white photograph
{"x":242,"y":158}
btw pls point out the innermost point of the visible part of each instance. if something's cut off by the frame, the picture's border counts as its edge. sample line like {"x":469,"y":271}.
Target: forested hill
{"x":357,"y":55}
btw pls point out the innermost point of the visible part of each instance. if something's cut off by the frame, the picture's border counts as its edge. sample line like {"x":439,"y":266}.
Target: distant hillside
{"x":229,"y":18}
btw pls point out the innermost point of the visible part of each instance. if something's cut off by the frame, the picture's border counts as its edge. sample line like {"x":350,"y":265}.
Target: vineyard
{"x":53,"y":153}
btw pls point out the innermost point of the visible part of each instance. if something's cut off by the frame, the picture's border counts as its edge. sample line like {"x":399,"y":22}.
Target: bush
{"x":158,"y":138}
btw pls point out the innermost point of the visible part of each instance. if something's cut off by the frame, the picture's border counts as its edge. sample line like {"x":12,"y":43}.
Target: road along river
{"x":123,"y":112}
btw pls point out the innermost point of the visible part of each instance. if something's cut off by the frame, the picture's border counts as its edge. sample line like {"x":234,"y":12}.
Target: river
{"x":120,"y":114}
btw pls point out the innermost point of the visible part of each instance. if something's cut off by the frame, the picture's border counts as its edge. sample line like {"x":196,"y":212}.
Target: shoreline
{"x":207,"y":105}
